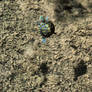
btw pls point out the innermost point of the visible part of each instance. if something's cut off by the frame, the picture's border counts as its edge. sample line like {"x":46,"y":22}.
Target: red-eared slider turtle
{"x":46,"y":27}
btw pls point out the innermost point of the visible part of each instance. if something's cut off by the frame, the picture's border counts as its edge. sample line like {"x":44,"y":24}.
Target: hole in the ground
{"x":44,"y":68}
{"x":80,"y":70}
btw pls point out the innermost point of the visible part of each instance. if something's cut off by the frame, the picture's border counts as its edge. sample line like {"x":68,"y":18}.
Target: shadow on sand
{"x":69,"y":9}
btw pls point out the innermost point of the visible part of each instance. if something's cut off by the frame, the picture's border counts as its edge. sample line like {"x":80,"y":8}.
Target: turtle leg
{"x":43,"y":39}
{"x":47,"y":18}
{"x":41,"y":18}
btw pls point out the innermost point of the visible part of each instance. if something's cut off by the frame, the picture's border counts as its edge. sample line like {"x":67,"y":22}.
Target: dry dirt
{"x":63,"y":63}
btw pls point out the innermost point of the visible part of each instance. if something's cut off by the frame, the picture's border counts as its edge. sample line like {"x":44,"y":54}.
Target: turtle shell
{"x":46,"y":28}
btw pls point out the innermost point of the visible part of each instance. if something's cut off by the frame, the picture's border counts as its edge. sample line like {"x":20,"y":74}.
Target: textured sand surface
{"x":63,"y":63}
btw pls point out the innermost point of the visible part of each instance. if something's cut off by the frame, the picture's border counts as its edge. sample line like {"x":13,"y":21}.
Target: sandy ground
{"x":63,"y":63}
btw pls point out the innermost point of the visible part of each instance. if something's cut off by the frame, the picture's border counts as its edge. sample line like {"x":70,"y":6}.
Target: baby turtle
{"x":46,"y":28}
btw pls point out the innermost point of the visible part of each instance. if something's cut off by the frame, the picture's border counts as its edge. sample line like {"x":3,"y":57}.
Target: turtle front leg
{"x":47,"y":19}
{"x":41,"y":18}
